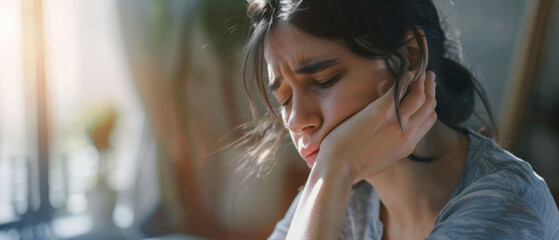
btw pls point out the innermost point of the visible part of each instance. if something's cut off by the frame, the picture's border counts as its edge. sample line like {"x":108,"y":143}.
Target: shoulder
{"x":489,"y":167}
{"x":499,"y":195}
{"x":498,"y":170}
{"x":488,"y":163}
{"x":488,"y":214}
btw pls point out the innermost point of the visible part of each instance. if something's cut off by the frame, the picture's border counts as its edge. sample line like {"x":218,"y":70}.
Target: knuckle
{"x":389,"y":116}
{"x":433,"y":103}
{"x":433,"y":118}
{"x":379,"y":118}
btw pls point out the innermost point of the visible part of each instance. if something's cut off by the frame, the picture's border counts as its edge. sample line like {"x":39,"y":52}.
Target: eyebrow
{"x":309,"y":68}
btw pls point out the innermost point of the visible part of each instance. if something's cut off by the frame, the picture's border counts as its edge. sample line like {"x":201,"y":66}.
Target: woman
{"x":377,"y":109}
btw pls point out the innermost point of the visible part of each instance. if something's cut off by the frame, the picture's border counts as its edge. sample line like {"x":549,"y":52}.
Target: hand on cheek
{"x":373,"y":139}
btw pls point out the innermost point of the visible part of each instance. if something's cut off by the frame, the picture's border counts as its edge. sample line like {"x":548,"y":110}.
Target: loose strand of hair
{"x":483,"y":97}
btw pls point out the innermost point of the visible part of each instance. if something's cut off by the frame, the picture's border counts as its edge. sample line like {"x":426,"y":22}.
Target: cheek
{"x":378,"y":83}
{"x":293,"y":139}
{"x":285,"y":117}
{"x":352,"y":97}
{"x":299,"y":141}
{"x":384,"y":85}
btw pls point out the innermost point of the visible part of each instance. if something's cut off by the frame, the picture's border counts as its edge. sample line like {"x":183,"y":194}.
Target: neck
{"x":413,"y":193}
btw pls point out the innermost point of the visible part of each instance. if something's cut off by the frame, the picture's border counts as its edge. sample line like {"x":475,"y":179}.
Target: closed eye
{"x":284,"y":104}
{"x":331,"y":81}
{"x":321,"y":84}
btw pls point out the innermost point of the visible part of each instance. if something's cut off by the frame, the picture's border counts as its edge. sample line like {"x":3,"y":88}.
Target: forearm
{"x":321,"y":210}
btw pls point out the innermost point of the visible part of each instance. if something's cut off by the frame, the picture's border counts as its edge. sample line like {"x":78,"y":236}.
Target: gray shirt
{"x":498,"y":196}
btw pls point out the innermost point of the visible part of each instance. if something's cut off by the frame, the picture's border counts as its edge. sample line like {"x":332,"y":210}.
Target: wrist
{"x":334,"y":170}
{"x":323,"y":202}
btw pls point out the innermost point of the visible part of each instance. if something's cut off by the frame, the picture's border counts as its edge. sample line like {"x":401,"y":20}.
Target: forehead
{"x":288,"y":45}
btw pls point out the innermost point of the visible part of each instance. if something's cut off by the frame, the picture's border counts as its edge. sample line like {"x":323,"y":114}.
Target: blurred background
{"x":112,"y":113}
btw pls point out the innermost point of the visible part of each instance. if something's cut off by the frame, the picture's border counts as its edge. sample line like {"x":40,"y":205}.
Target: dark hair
{"x":370,"y":29}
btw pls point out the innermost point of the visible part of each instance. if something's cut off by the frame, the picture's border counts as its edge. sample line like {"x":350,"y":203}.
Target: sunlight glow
{"x":123,"y":215}
{"x":12,"y":106}
{"x":72,"y":226}
{"x":12,"y":94}
{"x":303,"y":224}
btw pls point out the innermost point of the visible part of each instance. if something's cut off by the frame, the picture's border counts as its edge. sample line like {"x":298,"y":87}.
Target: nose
{"x":305,"y":115}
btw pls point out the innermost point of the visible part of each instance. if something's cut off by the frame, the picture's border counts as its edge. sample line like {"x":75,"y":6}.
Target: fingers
{"x":413,"y":104}
{"x":426,"y":111}
{"x":427,"y":124}
{"x":386,"y":99}
{"x":408,"y":82}
{"x":415,"y":98}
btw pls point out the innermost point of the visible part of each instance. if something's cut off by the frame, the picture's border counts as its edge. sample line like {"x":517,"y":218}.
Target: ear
{"x":412,"y":51}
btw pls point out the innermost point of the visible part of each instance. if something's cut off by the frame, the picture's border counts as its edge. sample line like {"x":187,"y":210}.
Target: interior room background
{"x":113,"y":113}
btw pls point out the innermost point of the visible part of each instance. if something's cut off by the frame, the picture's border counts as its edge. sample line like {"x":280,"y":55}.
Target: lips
{"x":309,"y":154}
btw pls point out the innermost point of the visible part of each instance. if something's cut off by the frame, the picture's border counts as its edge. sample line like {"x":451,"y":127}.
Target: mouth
{"x":311,"y":157}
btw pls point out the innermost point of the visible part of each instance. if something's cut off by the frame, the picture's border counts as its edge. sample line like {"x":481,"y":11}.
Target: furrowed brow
{"x":308,"y":68}
{"x":316,"y":66}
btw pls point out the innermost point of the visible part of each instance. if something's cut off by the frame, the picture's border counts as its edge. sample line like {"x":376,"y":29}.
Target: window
{"x":94,"y":117}
{"x":14,"y":118}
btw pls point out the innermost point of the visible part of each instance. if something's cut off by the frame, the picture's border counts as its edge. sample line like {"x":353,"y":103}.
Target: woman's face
{"x":319,"y":84}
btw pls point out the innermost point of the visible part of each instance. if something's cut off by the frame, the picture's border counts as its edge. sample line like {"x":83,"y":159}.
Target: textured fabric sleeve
{"x":544,"y":204}
{"x":282,"y":227}
{"x":488,"y":214}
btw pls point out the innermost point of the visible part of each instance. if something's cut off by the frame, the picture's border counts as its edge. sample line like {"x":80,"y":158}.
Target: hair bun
{"x":459,"y":77}
{"x":457,"y":86}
